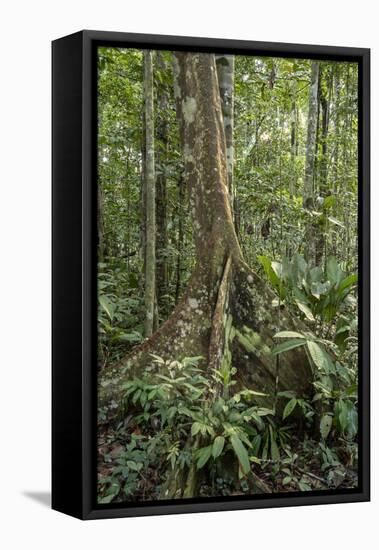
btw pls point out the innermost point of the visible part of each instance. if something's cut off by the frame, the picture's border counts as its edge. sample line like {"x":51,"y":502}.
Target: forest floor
{"x":304,"y":468}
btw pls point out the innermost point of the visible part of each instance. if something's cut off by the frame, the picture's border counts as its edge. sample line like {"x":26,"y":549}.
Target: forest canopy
{"x":227,"y":275}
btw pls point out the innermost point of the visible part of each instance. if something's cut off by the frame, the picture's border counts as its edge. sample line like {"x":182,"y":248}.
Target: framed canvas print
{"x":210,"y":274}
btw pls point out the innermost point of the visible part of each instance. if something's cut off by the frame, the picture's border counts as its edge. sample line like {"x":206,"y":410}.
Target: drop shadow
{"x":42,"y":497}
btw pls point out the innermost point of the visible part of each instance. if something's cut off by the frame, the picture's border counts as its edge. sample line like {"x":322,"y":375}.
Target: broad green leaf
{"x":288,"y":409}
{"x":333,"y":271}
{"x":319,"y":356}
{"x":262,"y":411}
{"x":347,"y":282}
{"x":325,"y":425}
{"x":288,"y":334}
{"x":304,"y":486}
{"x":335,"y":221}
{"x":305,"y":309}
{"x":275,"y":455}
{"x":246,"y":342}
{"x":241,"y":453}
{"x":130,"y":337}
{"x":204,"y":455}
{"x":286,"y":393}
{"x":271,"y":274}
{"x":107,"y":306}
{"x":249,"y":393}
{"x":348,"y":417}
{"x":288,"y":345}
{"x":256,"y":445}
{"x":196,"y":427}
{"x":278,"y":269}
{"x":218,"y":445}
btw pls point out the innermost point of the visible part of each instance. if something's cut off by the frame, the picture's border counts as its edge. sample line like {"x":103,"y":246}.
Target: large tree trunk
{"x":311,"y":228}
{"x":222,"y":286}
{"x":149,"y":177}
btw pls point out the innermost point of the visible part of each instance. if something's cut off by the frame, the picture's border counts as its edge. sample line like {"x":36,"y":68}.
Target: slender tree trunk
{"x":149,"y":177}
{"x":346,"y":170}
{"x":100,"y":226}
{"x":337,"y":96}
{"x":179,"y":247}
{"x":225,"y":74}
{"x":310,"y":162}
{"x":325,"y":106}
{"x":324,"y":98}
{"x":293,"y":179}
{"x":161,"y":192}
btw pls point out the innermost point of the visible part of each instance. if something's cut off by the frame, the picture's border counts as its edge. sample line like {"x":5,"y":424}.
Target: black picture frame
{"x":74,"y":268}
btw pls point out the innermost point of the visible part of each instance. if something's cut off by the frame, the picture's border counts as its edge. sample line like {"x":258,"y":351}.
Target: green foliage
{"x":318,"y":293}
{"x":179,"y":416}
{"x":183,"y":405}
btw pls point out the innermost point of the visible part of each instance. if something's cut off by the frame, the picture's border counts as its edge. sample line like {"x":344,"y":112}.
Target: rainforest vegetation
{"x":227,"y":275}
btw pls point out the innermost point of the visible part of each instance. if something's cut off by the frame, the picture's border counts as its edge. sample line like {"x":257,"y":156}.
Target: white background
{"x":26,"y":31}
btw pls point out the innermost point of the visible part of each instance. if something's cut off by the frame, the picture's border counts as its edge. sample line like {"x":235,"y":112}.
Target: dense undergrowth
{"x":178,"y":418}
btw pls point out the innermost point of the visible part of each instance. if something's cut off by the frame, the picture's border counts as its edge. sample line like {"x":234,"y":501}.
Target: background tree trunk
{"x":161,"y":192}
{"x":149,"y":177}
{"x":180,"y":237}
{"x":225,"y":74}
{"x":325,"y":93}
{"x":310,"y":161}
{"x":293,"y":180}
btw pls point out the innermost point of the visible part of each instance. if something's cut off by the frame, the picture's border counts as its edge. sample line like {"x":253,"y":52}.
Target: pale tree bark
{"x":225,"y":74}
{"x":161,"y":191}
{"x":337,"y":97}
{"x":149,"y":181}
{"x":324,"y":99}
{"x":336,"y":156}
{"x":308,"y":197}
{"x":180,"y":239}
{"x":293,"y":179}
{"x":325,"y":96}
{"x":100,"y":226}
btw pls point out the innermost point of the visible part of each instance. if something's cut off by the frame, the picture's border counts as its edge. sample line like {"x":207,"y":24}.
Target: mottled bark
{"x":149,"y":176}
{"x":225,"y":74}
{"x":337,"y":100}
{"x":293,"y":180}
{"x":179,"y":244}
{"x":311,"y":137}
{"x":325,"y":93}
{"x":308,"y":198}
{"x":161,"y":192}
